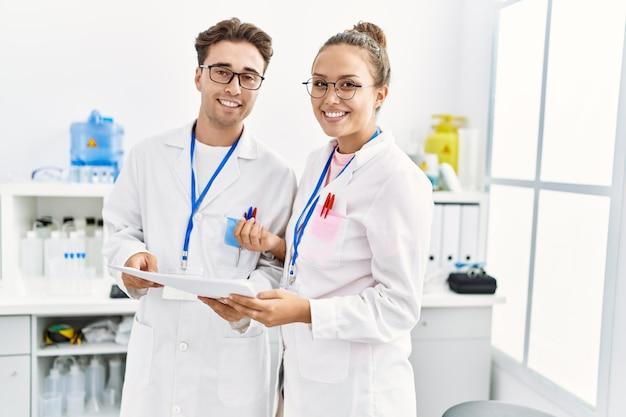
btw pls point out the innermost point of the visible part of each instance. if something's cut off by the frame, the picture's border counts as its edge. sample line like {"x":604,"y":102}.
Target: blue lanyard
{"x":298,"y":231}
{"x":195,"y":203}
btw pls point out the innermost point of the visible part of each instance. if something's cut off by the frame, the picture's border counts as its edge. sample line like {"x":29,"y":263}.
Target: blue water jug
{"x":96,"y":149}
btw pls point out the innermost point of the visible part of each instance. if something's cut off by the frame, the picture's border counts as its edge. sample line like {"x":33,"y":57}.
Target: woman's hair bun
{"x":373,"y":31}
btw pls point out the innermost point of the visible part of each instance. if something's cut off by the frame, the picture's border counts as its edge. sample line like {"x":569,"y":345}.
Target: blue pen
{"x":249,"y":215}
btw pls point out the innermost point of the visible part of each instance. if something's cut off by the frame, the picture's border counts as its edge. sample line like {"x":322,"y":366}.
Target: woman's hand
{"x":252,"y":236}
{"x":273,"y":307}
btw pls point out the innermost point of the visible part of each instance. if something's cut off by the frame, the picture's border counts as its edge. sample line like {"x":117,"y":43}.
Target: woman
{"x":355,"y":248}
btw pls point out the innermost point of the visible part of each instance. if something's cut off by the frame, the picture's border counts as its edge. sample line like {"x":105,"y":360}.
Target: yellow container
{"x":444,"y":139}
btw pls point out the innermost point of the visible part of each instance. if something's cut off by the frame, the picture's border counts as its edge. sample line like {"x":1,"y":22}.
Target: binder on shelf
{"x":434,"y":252}
{"x":470,"y":225}
{"x":451,"y":227}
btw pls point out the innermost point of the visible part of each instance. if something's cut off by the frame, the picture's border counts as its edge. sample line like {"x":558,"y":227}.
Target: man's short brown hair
{"x":233,"y":30}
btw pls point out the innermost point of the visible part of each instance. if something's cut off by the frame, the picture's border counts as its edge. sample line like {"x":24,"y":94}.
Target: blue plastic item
{"x":229,"y":237}
{"x":96,"y":149}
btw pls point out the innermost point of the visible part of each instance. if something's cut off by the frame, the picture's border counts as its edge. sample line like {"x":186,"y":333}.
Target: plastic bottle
{"x":31,"y":254}
{"x":96,"y":385}
{"x":68,"y":224}
{"x":444,"y":140}
{"x":44,"y":226}
{"x":96,"y":149}
{"x":53,"y":248}
{"x":81,"y":224}
{"x":53,"y":382}
{"x":75,"y":391}
{"x":77,"y":242}
{"x":94,"y":252}
{"x":114,"y":384}
{"x":91,"y":226}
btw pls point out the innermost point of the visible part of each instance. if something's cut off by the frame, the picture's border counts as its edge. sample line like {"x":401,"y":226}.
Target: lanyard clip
{"x":183,"y":260}
{"x":291,"y":273}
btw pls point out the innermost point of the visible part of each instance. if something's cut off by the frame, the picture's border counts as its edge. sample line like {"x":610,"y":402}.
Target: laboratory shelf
{"x":108,"y":348}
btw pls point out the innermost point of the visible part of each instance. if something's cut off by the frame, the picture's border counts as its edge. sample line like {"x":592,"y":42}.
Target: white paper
{"x":194,"y":284}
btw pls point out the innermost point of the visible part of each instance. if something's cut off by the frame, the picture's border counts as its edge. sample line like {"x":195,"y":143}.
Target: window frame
{"x":616,"y":249}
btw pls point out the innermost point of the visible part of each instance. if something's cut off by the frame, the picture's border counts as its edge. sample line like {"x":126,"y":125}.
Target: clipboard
{"x":194,"y":284}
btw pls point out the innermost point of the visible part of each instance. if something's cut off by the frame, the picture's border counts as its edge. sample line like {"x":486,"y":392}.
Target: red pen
{"x":254,"y":213}
{"x":331,"y":203}
{"x":325,"y":204}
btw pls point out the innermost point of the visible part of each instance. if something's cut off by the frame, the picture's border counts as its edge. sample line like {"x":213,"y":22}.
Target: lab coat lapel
{"x":368,"y":152}
{"x":179,"y":163}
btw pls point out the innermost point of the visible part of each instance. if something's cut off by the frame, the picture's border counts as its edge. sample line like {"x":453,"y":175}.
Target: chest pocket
{"x":222,"y":260}
{"x":323,"y":240}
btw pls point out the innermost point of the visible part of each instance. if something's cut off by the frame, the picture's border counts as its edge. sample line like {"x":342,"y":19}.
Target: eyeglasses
{"x":223,"y":75}
{"x":345,"y":89}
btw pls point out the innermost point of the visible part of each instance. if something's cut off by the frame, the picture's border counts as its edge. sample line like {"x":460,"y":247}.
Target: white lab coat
{"x":183,"y":359}
{"x":362,"y":268}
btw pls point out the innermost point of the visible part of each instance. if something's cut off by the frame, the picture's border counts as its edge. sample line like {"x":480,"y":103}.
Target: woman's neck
{"x":352,"y":143}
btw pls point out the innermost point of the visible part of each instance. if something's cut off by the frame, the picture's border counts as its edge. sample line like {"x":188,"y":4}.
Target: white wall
{"x":135,"y":61}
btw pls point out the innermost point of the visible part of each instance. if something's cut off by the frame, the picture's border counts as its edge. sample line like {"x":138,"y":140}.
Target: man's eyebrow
{"x":250,"y":69}
{"x":228,"y":65}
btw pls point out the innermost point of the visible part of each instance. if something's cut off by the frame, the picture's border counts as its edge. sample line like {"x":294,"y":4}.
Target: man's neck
{"x":209,"y":134}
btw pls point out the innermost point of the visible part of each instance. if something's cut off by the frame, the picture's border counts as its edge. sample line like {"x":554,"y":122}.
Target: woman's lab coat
{"x":183,"y":359}
{"x":362,"y":268}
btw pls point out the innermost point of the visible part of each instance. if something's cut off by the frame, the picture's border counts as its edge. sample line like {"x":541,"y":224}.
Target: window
{"x":551,"y":179}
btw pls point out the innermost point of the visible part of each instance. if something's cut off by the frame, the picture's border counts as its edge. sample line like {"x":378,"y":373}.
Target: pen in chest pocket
{"x":328,"y":205}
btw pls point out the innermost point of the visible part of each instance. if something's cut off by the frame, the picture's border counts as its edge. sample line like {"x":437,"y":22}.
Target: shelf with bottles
{"x":78,"y":386}
{"x":62,"y":221}
{"x":77,"y":362}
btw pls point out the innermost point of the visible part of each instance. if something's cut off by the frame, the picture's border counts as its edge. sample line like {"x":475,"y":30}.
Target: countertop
{"x":33,"y":299}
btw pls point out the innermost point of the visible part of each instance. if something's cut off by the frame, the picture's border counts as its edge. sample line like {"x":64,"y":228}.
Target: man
{"x":184,"y":358}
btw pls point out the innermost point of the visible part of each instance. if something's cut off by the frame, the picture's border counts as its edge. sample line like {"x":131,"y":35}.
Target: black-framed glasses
{"x":223,"y":75}
{"x":344,"y":88}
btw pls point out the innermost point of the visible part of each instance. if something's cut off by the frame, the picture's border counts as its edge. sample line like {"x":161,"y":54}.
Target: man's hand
{"x":224,"y":311}
{"x":146,"y":262}
{"x":254,"y":237}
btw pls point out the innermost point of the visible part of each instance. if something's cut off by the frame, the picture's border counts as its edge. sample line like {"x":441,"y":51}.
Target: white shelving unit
{"x":43,"y":356}
{"x":20,"y":204}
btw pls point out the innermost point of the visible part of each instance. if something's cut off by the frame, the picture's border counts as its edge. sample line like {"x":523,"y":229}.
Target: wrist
{"x":278,"y":248}
{"x":305,"y":311}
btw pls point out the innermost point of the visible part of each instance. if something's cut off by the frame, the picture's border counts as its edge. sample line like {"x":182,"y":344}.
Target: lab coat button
{"x":183,"y":346}
{"x":176,"y":409}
